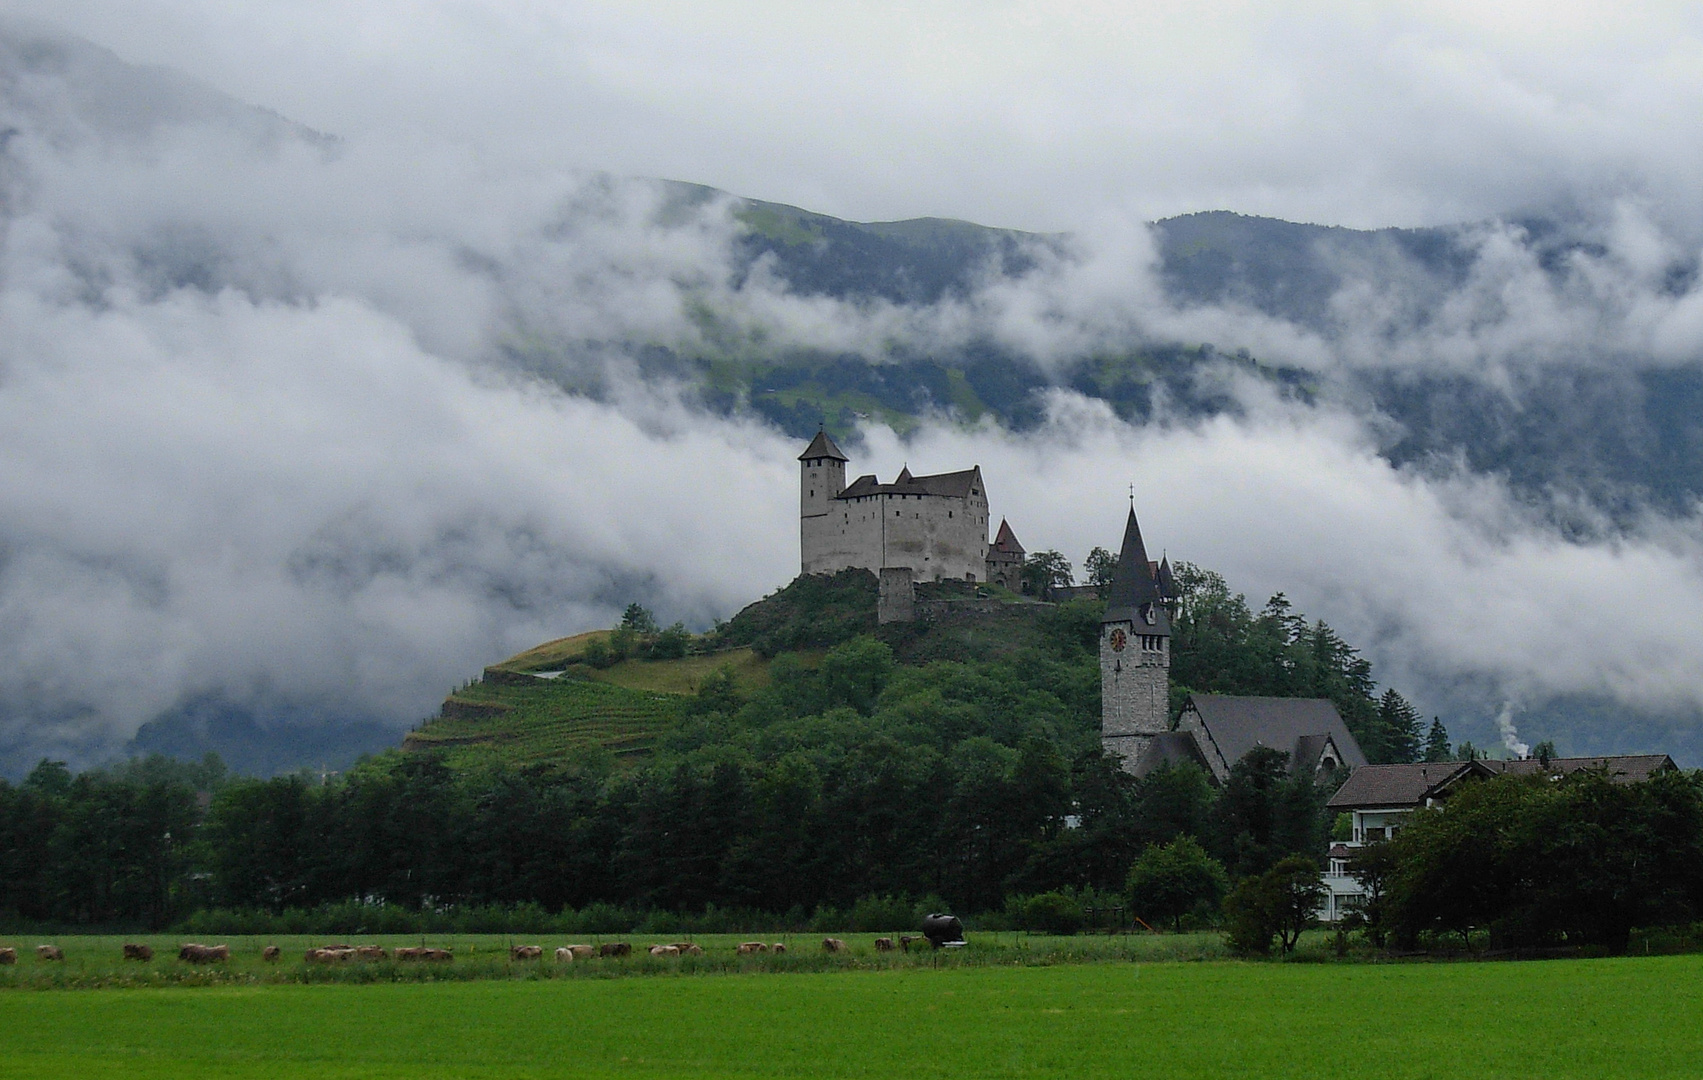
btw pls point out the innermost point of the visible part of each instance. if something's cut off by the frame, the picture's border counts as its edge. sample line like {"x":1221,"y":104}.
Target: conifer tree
{"x":1437,"y":741}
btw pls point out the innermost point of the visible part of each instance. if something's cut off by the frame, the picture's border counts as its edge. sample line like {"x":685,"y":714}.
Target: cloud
{"x":286,"y":421}
{"x":1027,"y":114}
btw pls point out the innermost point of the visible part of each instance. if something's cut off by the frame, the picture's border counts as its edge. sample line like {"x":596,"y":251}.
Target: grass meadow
{"x":1131,"y":1010}
{"x":1634,"y":1017}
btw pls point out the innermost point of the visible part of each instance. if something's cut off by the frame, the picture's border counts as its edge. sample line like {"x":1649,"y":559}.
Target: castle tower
{"x":822,"y":476}
{"x":1135,"y":655}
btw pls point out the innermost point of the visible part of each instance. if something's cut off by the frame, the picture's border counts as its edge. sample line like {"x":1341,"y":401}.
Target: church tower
{"x":1135,"y":655}
{"x":822,"y":476}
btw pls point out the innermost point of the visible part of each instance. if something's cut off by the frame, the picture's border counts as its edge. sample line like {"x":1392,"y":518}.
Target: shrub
{"x":1052,"y":913}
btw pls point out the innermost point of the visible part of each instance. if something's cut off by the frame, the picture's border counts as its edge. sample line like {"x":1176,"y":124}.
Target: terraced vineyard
{"x":535,"y":720}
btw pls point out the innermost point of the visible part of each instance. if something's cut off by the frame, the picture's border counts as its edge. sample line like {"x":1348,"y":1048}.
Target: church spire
{"x":1134,"y":595}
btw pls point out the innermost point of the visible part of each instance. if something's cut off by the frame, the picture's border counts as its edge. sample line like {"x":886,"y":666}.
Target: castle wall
{"x":1135,"y":692}
{"x":935,"y":536}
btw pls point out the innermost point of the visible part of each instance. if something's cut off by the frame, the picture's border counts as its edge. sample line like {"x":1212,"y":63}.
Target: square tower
{"x":1135,"y":656}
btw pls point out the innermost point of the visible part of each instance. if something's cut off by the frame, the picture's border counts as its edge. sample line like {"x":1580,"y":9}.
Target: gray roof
{"x":1626,"y":768}
{"x":1411,"y":785}
{"x":822,"y":446}
{"x":1133,"y":596}
{"x":1172,"y":748}
{"x":957,"y":485}
{"x":1167,"y":582}
{"x":1239,"y":724}
{"x":1400,"y":785}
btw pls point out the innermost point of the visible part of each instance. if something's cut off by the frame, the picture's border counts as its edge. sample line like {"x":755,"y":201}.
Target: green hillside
{"x":555,"y":701}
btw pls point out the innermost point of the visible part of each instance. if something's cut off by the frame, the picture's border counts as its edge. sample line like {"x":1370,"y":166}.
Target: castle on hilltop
{"x":935,"y":527}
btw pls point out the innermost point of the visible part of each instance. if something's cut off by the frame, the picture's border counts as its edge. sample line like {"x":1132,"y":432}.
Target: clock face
{"x":1119,"y":640}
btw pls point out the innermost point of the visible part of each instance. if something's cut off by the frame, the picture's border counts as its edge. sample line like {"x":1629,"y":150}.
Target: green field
{"x":1593,"y":1018}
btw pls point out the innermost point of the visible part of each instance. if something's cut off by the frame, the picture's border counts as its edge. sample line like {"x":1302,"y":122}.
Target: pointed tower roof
{"x":822,"y":446}
{"x":1006,"y":540}
{"x":1134,"y":596}
{"x":905,"y":476}
{"x":1167,"y":583}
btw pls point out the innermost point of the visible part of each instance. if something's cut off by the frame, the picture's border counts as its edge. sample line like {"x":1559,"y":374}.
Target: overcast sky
{"x":265,"y":437}
{"x":1031,"y":115}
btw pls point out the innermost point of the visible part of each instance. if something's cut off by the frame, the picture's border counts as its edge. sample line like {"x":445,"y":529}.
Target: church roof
{"x":1167,"y":583}
{"x":1006,"y":540}
{"x":957,"y":485}
{"x":1173,"y":748}
{"x":1237,"y":725}
{"x":822,"y":446}
{"x":1133,"y":596}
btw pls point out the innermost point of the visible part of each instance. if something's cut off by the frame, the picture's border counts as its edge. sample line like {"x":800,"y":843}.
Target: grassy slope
{"x":1562,"y":1019}
{"x":508,"y":716}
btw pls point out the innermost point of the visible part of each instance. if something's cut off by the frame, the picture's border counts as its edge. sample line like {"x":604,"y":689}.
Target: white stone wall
{"x":935,"y":536}
{"x":1135,"y":690}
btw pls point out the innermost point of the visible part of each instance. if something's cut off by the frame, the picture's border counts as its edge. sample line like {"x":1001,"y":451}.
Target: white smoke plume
{"x":1511,"y":734}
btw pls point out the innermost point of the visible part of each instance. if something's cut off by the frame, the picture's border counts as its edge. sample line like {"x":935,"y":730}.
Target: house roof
{"x":1237,"y":725}
{"x":1626,"y":768}
{"x":1410,"y":785}
{"x":1133,"y":596}
{"x":1172,"y":748}
{"x":957,"y":485}
{"x":1006,"y":540}
{"x":1401,"y":785}
{"x":822,"y":446}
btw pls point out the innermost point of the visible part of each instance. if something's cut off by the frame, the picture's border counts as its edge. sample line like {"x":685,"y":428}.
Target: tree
{"x":1100,"y":566}
{"x":1045,"y":570}
{"x":638,"y":620}
{"x":1398,"y":736}
{"x":1373,"y":866}
{"x":1437,"y":741}
{"x":1281,"y":903}
{"x":1297,"y":889}
{"x":1169,"y":882}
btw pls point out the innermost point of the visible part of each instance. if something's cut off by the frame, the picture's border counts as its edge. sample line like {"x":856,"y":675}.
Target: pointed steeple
{"x":1006,"y":540}
{"x":1134,"y":595}
{"x":904,"y":476}
{"x":822,"y":446}
{"x":1167,"y":583}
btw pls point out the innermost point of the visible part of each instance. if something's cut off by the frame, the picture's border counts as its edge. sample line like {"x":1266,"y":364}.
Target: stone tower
{"x":1135,"y":655}
{"x":822,"y":476}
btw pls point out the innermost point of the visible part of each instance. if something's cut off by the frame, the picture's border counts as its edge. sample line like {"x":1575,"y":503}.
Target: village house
{"x":1380,"y":798}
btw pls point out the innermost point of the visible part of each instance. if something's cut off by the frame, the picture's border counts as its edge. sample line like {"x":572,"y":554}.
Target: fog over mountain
{"x":301,"y":430}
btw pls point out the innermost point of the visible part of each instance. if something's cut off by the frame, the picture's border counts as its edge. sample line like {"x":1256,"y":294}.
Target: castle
{"x":934,"y":528}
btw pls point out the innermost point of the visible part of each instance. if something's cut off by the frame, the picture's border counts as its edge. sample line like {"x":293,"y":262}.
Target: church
{"x":1215,"y":730}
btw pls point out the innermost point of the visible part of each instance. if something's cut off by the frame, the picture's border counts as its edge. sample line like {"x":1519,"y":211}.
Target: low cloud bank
{"x":286,"y":421}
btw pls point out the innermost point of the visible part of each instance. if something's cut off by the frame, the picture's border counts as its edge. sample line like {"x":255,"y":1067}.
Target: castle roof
{"x":1006,"y":540}
{"x":957,"y":485}
{"x":822,"y":446}
{"x":1134,"y":596}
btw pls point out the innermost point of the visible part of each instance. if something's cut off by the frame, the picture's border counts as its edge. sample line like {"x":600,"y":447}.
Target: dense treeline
{"x":1531,"y":861}
{"x":973,"y":780}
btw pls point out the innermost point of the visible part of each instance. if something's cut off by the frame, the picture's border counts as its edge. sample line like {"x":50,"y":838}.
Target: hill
{"x":565,"y":698}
